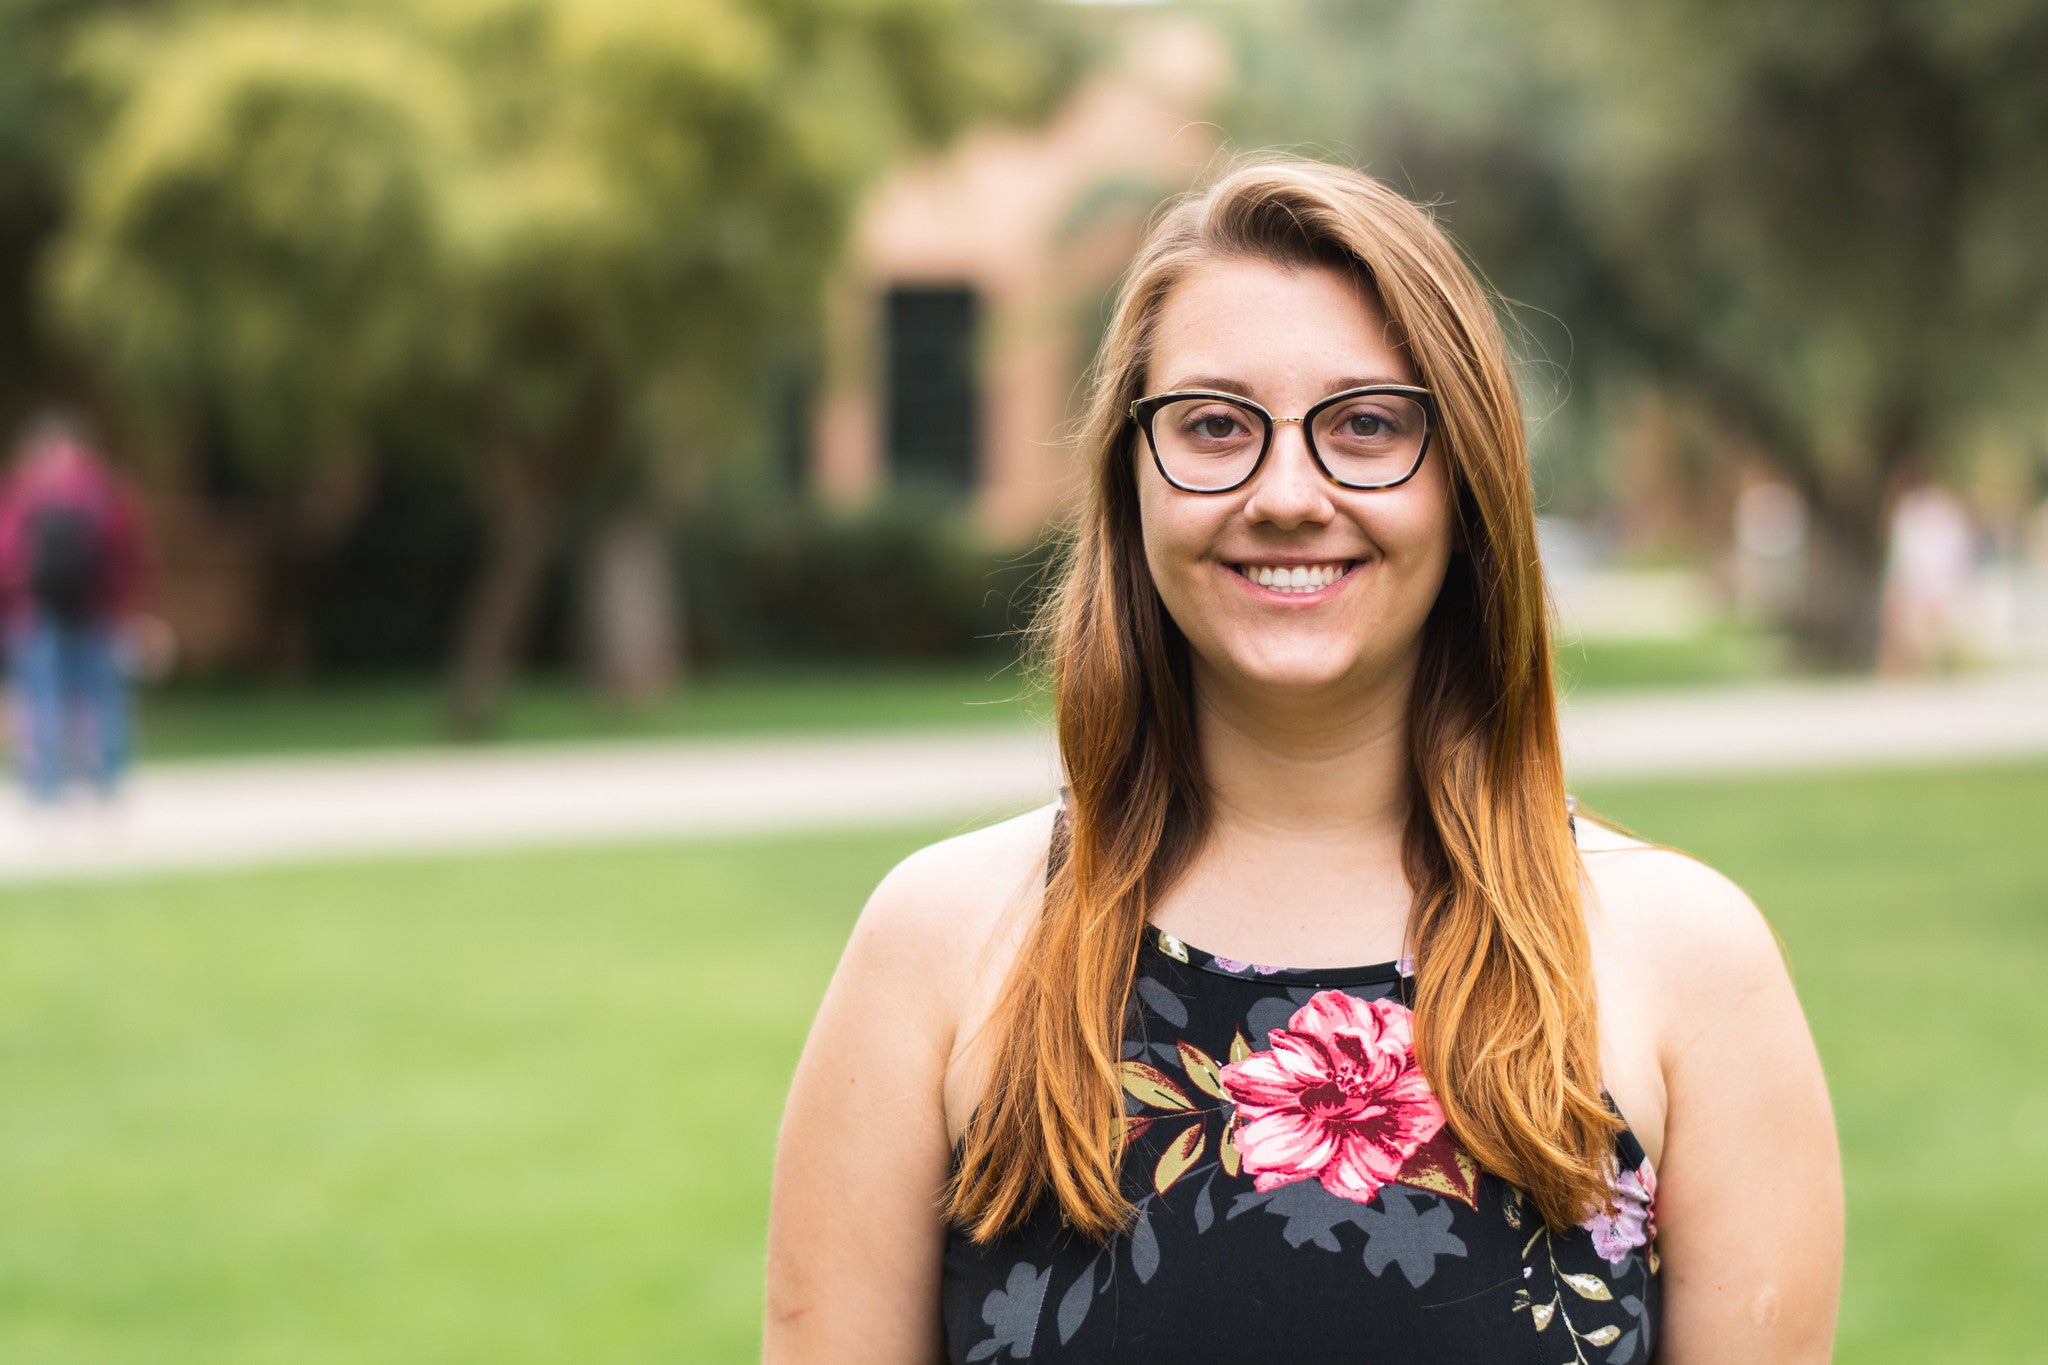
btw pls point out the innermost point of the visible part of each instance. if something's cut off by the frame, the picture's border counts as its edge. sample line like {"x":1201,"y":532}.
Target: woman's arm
{"x":854,"y":1233}
{"x":1749,"y":1190}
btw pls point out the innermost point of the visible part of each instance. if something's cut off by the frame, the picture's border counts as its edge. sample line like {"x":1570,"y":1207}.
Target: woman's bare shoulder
{"x":1686,"y":927}
{"x":940,"y":909}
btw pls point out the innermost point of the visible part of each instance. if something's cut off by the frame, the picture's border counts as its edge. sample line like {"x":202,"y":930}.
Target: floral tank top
{"x":1298,"y":1197}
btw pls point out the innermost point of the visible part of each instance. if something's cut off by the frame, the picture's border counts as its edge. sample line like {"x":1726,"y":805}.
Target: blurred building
{"x":979,"y":283}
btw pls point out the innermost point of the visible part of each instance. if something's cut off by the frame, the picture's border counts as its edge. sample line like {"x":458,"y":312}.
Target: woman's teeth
{"x":1294,"y":578}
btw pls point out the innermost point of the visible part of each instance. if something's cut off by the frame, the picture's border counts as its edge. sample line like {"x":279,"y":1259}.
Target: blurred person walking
{"x":1929,"y":584}
{"x":72,"y":552}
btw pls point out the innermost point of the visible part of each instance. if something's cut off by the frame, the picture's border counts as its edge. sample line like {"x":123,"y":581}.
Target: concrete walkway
{"x":223,"y":814}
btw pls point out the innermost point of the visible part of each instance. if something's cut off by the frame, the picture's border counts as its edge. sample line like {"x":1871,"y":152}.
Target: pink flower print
{"x":1231,"y":964}
{"x":1631,"y":1222}
{"x":1338,"y":1096}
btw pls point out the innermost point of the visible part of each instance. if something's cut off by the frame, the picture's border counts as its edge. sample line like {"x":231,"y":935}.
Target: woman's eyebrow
{"x":1207,"y":381}
{"x":1224,"y":385}
{"x":1366,"y":382}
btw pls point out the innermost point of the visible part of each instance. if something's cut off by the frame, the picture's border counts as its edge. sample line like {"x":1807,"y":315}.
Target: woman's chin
{"x":1300,"y":677}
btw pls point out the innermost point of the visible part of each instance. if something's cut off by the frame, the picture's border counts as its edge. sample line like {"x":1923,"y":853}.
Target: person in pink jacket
{"x":72,"y":555}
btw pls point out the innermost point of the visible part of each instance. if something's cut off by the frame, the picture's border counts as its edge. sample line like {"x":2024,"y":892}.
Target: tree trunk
{"x":281,"y":596}
{"x":1838,"y":621}
{"x":631,"y":616}
{"x":299,"y":530}
{"x":1850,"y":537}
{"x":521,"y":509}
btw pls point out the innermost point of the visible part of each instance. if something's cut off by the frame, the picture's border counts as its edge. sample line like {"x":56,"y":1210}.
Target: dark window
{"x":934,"y":413}
{"x":795,"y":394}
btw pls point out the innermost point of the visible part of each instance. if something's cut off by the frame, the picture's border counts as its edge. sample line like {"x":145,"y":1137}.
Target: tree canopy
{"x":546,"y":224}
{"x":1821,"y":225}
{"x":298,"y":213}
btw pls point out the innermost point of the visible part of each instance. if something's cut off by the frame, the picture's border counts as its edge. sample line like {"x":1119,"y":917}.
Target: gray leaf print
{"x":1313,"y":1214}
{"x":1012,"y":1313}
{"x":1395,"y":1234}
{"x":1075,"y":1303}
{"x":1266,"y":1015}
{"x":1624,"y":1350}
{"x":1163,"y":1002}
{"x":1633,"y":1306}
{"x":1205,"y":1207}
{"x":1246,"y":1202}
{"x":1144,"y":1248}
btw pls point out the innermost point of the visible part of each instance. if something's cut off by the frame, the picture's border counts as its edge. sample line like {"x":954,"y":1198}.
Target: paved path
{"x":218,"y":814}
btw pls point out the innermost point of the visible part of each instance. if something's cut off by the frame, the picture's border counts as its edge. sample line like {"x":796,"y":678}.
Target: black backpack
{"x":66,"y":561}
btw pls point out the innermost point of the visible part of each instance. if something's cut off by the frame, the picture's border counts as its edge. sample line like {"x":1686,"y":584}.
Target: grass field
{"x":232,"y":721}
{"x":1723,"y":655}
{"x":521,"y":1108}
{"x":229,"y":721}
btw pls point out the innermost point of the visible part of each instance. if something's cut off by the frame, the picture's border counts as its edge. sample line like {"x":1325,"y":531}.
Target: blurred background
{"x":519,"y":511}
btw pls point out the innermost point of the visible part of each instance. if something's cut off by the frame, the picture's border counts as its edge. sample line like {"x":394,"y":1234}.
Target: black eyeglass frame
{"x":1145,"y":409}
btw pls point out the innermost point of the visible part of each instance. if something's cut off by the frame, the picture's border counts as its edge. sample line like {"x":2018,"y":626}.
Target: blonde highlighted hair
{"x":1504,"y":1009}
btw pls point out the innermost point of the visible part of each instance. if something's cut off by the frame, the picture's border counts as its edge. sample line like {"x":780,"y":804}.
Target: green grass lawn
{"x":521,"y":1108}
{"x":1723,"y":655}
{"x":191,"y":721}
{"x":231,"y":721}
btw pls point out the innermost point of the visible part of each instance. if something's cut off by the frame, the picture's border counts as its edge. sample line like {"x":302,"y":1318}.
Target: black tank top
{"x":1299,"y":1200}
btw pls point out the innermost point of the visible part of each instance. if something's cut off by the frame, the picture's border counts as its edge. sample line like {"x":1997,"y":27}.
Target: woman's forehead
{"x":1271,"y":330}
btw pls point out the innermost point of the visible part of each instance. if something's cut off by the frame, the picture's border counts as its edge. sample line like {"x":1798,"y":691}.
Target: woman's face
{"x":1286,"y":338}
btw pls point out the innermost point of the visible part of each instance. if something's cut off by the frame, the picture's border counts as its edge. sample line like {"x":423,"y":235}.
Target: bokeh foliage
{"x":1816,"y":225}
{"x":309,"y":215}
{"x":567,"y":234}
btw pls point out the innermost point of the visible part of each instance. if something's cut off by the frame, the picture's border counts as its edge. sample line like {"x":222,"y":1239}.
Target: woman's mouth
{"x":1296,"y":578}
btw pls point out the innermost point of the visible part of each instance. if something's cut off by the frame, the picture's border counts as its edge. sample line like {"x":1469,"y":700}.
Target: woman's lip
{"x":1293,"y":561}
{"x":1322,"y":594}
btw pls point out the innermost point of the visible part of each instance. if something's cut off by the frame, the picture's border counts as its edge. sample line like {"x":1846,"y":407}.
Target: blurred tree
{"x":40,"y":124}
{"x":571,"y":231}
{"x":1820,"y":224}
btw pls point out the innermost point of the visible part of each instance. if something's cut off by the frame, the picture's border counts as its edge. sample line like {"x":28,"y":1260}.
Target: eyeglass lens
{"x":1213,"y":443}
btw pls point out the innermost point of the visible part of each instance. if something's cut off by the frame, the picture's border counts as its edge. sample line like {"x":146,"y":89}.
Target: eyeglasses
{"x":1363,"y":439}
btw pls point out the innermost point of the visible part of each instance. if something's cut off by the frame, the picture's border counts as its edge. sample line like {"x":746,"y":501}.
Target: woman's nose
{"x":1289,"y":489}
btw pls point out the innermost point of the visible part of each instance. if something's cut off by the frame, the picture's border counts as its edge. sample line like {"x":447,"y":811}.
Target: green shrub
{"x":759,"y":583}
{"x":904,"y":580}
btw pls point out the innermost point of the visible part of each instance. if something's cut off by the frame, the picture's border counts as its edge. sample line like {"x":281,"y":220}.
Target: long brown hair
{"x":1505,"y":1026}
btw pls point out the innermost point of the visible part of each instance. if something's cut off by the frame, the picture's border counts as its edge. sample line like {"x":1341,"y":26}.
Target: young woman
{"x":1306,"y":714}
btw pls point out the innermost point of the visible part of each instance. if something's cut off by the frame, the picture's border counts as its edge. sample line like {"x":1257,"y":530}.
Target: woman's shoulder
{"x":942,"y":910}
{"x":1683,"y":927}
{"x":982,"y":869}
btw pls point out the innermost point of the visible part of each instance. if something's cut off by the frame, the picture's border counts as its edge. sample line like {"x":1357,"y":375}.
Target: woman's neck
{"x":1301,"y":862}
{"x":1305,"y":766}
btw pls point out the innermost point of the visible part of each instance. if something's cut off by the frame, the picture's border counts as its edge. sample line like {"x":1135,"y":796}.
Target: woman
{"x":1306,"y":714}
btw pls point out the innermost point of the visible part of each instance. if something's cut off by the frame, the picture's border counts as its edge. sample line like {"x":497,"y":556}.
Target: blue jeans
{"x":71,"y":700}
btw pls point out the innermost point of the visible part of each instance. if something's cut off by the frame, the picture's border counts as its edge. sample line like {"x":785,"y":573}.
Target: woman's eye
{"x":1370,"y":425}
{"x":1213,"y":426}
